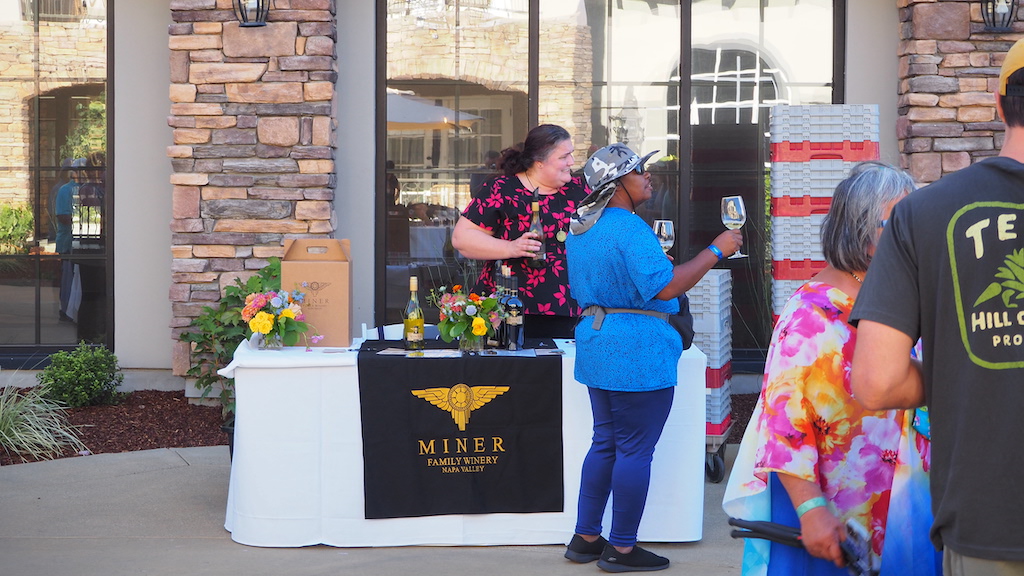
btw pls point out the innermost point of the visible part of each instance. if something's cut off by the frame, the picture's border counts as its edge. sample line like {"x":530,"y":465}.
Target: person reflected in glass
{"x":731,"y":211}
{"x":495,"y":226}
{"x":487,"y":170}
{"x":392,"y":187}
{"x":64,"y":212}
{"x":629,"y":359}
{"x":812,"y":457}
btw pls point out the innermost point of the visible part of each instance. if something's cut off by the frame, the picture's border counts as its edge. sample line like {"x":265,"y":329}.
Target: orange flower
{"x":457,"y":287}
{"x":474,"y":297}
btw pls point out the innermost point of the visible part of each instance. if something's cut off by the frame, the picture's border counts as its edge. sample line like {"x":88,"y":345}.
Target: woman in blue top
{"x":629,"y":360}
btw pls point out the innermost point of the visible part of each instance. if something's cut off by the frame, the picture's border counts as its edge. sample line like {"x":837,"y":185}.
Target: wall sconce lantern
{"x":254,"y":12}
{"x":999,"y":15}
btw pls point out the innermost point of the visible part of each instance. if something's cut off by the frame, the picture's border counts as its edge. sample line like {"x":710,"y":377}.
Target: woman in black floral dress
{"x":494,"y":226}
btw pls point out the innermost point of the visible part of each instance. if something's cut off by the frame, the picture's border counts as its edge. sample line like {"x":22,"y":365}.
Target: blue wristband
{"x":716,"y":251}
{"x":809,"y":505}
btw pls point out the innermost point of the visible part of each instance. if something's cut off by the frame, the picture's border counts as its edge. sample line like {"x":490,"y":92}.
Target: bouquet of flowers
{"x":465,"y":316}
{"x":277,"y":315}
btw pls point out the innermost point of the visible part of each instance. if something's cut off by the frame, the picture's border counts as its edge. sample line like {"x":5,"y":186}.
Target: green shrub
{"x":85,"y":376}
{"x":16,"y":225}
{"x":32,"y":426}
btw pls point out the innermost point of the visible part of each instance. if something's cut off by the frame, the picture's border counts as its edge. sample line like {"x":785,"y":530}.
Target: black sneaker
{"x":581,"y":551}
{"x":638,"y":560}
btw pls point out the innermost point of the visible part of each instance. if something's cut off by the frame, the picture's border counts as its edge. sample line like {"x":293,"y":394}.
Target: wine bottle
{"x":514,"y":319}
{"x":413,"y":330}
{"x":448,"y":250}
{"x":503,"y":295}
{"x":541,"y":258}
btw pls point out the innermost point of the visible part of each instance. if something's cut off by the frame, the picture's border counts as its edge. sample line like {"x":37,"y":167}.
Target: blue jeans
{"x":627,"y":426}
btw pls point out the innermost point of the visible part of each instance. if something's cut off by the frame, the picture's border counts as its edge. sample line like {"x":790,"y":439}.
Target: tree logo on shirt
{"x":1010,"y":283}
{"x":986,"y":259}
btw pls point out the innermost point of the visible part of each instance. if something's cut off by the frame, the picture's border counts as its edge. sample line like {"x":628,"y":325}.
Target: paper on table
{"x":529,"y":353}
{"x":436,"y":353}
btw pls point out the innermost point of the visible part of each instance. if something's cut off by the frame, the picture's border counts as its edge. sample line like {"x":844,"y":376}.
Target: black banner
{"x":469,"y":435}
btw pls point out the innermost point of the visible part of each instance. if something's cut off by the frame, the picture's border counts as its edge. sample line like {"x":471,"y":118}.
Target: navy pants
{"x":627,"y":426}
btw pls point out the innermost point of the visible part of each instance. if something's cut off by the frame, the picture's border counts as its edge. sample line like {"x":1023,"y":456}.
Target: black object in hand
{"x":856,"y":548}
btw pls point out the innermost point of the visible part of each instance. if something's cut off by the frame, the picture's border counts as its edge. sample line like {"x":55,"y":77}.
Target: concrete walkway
{"x":161,"y":512}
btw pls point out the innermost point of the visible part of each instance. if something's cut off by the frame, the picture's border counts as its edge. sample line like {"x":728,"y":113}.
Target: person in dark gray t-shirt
{"x":950,"y":270}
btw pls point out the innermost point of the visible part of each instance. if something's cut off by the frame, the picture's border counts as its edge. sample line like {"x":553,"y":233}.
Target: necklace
{"x":535,"y":190}
{"x":561,"y":234}
{"x":857,"y":278}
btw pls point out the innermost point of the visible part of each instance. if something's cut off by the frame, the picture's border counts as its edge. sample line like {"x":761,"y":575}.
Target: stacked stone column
{"x":949,"y":68}
{"x":253,"y":150}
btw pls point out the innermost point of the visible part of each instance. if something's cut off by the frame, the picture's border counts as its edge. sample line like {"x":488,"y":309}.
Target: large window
{"x":54,"y":199}
{"x":693,"y":79}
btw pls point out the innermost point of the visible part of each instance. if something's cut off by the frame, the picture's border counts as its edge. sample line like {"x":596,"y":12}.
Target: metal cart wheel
{"x":714,"y":465}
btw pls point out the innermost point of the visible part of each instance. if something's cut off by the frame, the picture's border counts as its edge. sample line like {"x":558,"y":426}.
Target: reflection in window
{"x":53,"y":185}
{"x":731,"y":87}
{"x":605,"y":70}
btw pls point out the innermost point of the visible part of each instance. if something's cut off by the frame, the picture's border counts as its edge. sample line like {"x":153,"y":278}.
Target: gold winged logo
{"x":460,"y":399}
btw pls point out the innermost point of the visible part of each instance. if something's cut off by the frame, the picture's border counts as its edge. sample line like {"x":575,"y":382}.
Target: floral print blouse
{"x":811,"y":427}
{"x":503,"y":207}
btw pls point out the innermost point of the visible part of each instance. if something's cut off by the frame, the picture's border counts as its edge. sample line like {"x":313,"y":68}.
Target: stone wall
{"x":253,"y":151}
{"x":949,"y":69}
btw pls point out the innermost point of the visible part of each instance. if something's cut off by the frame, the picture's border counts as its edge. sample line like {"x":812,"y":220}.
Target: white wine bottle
{"x":540,"y":259}
{"x":413,"y":331}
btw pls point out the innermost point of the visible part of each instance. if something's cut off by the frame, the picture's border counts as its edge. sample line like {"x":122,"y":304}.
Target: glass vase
{"x":269,"y":342}
{"x":470,"y":343}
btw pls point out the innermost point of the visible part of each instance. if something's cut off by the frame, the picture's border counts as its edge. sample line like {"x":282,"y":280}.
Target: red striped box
{"x":806,"y":151}
{"x":800,"y":205}
{"x":796,"y":269}
{"x":717,"y":377}
{"x":720,"y":428}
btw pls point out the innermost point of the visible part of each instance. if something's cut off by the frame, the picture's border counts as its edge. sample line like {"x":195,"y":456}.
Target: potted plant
{"x":256,"y":305}
{"x":215,"y":334}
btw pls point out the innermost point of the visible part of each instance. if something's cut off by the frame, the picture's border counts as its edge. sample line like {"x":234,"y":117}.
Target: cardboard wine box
{"x":322,"y":268}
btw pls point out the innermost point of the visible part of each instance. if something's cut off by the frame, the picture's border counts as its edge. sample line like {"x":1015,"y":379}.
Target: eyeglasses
{"x":639,"y":169}
{"x":883,"y":223}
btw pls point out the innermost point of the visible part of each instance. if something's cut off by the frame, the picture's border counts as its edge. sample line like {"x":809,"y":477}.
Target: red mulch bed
{"x":146,"y":419}
{"x":742,"y":408}
{"x":150,"y":419}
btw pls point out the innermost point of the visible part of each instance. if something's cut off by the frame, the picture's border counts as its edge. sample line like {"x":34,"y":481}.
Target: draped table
{"x":297,"y":467}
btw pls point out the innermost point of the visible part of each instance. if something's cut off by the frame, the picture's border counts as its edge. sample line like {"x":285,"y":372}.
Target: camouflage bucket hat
{"x":602,"y":170}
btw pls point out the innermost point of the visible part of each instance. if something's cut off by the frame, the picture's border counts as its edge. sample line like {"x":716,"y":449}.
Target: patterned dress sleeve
{"x":789,"y":420}
{"x":496,"y":209}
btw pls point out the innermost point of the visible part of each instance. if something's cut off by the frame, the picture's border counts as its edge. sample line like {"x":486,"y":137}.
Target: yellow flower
{"x":479,"y":326}
{"x":287,"y":313}
{"x":262,"y":323}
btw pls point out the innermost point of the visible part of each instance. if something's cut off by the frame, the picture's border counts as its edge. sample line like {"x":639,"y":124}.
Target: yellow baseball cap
{"x":1014,"y":61}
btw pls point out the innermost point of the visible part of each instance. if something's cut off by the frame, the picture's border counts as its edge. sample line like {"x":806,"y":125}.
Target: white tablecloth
{"x":297,"y":469}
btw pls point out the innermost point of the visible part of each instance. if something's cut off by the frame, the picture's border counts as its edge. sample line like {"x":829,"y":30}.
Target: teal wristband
{"x":809,"y":505}
{"x":716,"y":251}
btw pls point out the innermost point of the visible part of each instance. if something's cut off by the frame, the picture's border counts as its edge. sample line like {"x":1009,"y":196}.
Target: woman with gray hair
{"x":812,"y":457}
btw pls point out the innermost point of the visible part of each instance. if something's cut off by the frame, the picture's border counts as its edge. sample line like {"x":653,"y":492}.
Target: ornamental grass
{"x":33,"y":427}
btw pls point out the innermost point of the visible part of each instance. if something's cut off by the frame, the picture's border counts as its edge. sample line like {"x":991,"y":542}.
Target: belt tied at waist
{"x":598,"y":313}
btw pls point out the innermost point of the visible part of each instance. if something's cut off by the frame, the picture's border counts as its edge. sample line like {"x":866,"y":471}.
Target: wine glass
{"x":734,"y":216}
{"x":666,"y":234}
